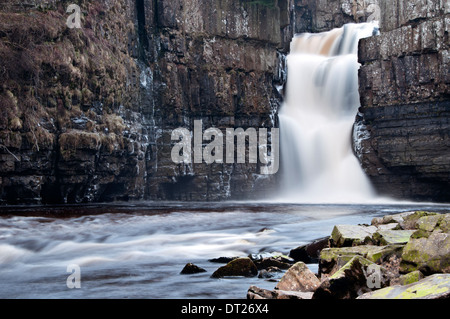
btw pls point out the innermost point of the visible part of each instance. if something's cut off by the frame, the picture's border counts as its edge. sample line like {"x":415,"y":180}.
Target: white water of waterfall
{"x":316,"y":120}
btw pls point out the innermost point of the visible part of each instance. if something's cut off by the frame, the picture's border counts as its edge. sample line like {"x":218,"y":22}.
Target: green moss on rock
{"x":237,"y":267}
{"x":392,"y":237}
{"x":433,"y":287}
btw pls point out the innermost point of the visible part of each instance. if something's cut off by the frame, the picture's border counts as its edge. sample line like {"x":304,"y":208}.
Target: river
{"x":137,"y":250}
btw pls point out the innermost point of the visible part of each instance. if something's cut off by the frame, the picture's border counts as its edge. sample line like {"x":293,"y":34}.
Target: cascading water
{"x":322,"y":99}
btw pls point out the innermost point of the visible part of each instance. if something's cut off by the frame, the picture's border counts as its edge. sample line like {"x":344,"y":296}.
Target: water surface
{"x":138,"y":250}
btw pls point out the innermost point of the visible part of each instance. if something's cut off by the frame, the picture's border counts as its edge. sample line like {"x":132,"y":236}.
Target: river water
{"x":138,"y":250}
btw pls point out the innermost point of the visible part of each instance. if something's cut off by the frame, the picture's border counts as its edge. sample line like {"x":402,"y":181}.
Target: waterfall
{"x":316,"y":119}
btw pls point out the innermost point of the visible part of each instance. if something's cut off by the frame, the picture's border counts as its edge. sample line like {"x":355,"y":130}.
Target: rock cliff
{"x":87,"y":113}
{"x":402,"y":132}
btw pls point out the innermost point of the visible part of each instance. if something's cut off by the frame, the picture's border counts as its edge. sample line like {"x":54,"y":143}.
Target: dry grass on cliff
{"x":50,"y":74}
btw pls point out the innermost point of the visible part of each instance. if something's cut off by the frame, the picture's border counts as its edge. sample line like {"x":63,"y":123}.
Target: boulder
{"x":298,"y":278}
{"x":356,"y":277}
{"x":266,"y":260}
{"x":191,"y":269}
{"x":350,"y":235}
{"x":260,"y":293}
{"x":391,"y":219}
{"x":405,"y":220}
{"x":429,"y":223}
{"x":238,"y":267}
{"x":411,"y":221}
{"x":222,"y":260}
{"x":269,"y":272}
{"x":430,"y":255}
{"x":331,"y":258}
{"x":392,"y":237}
{"x":309,"y":253}
{"x":283,"y":294}
{"x":408,"y":278}
{"x":433,"y":287}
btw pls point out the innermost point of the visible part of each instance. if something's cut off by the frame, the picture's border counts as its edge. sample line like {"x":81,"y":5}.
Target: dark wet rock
{"x":268,"y":262}
{"x":237,"y":267}
{"x":222,"y":260}
{"x":269,"y":272}
{"x":192,"y":269}
{"x":309,"y":253}
{"x":356,"y":277}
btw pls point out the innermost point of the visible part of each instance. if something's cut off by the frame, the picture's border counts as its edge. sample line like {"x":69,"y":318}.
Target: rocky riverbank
{"x":401,"y":256}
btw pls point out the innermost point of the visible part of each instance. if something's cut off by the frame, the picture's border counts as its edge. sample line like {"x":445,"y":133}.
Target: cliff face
{"x":219,"y":62}
{"x":324,"y":15}
{"x":403,"y":129}
{"x":87,"y":114}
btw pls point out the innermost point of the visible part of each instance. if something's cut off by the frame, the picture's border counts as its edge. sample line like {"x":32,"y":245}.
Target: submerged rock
{"x":191,"y":269}
{"x":238,"y":267}
{"x":269,"y":272}
{"x":222,"y":260}
{"x":433,"y":287}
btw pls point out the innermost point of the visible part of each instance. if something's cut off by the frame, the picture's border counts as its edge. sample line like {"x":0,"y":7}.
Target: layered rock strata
{"x":402,"y":132}
{"x":87,"y":113}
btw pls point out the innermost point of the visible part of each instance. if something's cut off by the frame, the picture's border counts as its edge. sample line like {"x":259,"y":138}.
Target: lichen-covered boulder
{"x":433,"y":287}
{"x":350,"y":235}
{"x":428,"y":254}
{"x":408,"y":278}
{"x":330,"y":257}
{"x":238,"y":267}
{"x":429,"y":223}
{"x":392,"y":237}
{"x":411,"y":221}
{"x":405,"y":220}
{"x":298,"y":278}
